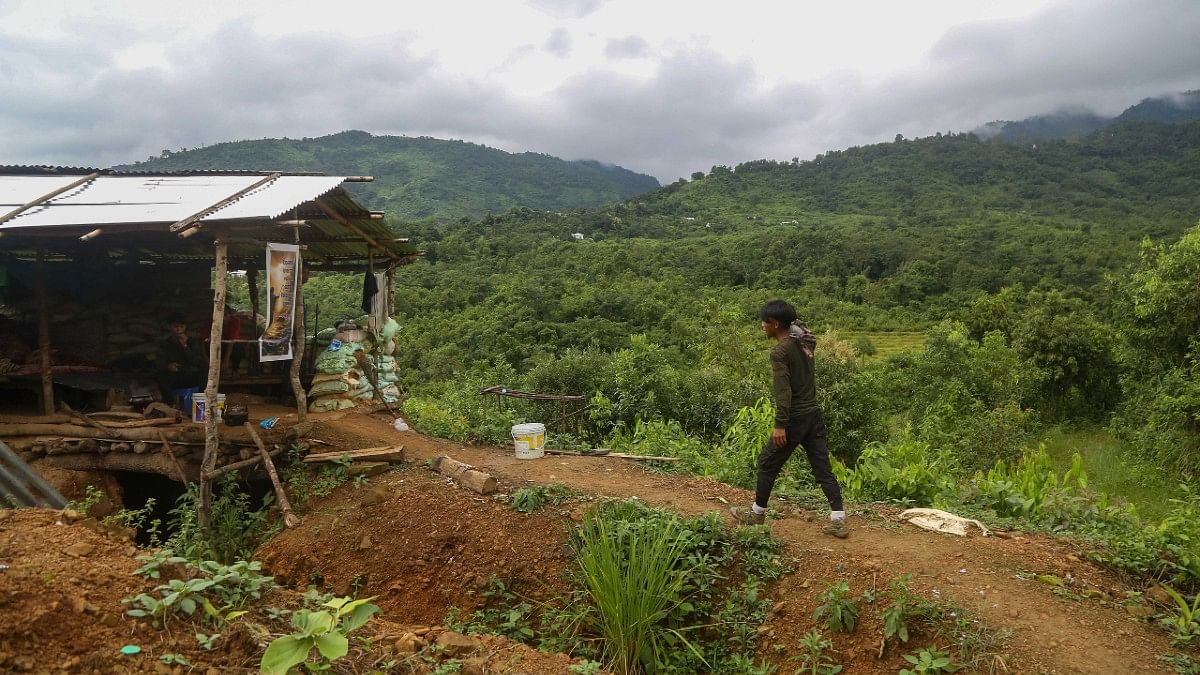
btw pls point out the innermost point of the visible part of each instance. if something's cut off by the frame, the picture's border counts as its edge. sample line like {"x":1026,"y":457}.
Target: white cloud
{"x":639,"y":84}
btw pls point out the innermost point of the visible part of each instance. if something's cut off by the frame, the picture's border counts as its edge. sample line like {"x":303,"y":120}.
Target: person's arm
{"x":781,"y":387}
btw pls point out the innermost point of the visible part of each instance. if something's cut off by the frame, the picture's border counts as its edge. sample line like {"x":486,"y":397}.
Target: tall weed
{"x":635,"y":577}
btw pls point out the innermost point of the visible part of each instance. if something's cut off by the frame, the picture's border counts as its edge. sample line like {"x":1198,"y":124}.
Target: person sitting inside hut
{"x":183,"y":365}
{"x":231,"y":334}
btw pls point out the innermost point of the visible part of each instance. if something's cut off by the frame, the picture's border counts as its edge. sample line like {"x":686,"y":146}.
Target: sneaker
{"x":746,"y":515}
{"x":837,"y":528}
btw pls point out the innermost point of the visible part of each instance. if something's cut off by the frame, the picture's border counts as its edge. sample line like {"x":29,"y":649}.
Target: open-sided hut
{"x":92,"y":261}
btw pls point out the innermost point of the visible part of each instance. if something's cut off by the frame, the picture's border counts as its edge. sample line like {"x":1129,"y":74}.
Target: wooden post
{"x":391,"y":290}
{"x":298,"y":333}
{"x":289,"y":518}
{"x":212,"y":435}
{"x":44,"y":336}
{"x":252,"y":282}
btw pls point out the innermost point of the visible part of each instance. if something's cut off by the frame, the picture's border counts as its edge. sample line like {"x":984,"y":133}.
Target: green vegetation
{"x":424,"y":177}
{"x":814,"y":660}
{"x":652,"y":592}
{"x":530,"y":499}
{"x":323,"y":630}
{"x":931,"y":660}
{"x":838,"y":610}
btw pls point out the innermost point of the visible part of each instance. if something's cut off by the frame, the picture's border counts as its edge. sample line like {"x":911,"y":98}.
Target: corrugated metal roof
{"x":108,"y":200}
{"x":135,"y":211}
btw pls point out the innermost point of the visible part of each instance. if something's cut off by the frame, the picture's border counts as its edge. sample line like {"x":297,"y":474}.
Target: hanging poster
{"x":283,"y":278}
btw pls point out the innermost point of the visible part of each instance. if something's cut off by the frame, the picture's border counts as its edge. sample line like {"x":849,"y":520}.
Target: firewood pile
{"x":106,"y":440}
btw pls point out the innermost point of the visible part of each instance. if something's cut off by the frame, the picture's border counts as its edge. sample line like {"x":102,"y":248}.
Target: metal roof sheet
{"x":108,"y":199}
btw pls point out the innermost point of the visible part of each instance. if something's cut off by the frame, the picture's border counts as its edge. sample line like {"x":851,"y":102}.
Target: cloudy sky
{"x":662,"y":87}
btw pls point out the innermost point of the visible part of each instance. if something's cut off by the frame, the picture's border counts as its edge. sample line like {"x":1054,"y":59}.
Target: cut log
{"x":289,"y":518}
{"x":34,"y":419}
{"x":467,"y":475}
{"x":123,"y":447}
{"x":80,"y":431}
{"x":118,"y":461}
{"x":383,"y":454}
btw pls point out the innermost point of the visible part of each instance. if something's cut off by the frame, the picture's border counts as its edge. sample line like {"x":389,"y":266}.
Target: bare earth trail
{"x":1050,"y":634}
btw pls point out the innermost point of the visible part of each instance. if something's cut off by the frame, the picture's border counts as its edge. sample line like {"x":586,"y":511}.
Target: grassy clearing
{"x":1111,"y":468}
{"x":886,"y":344}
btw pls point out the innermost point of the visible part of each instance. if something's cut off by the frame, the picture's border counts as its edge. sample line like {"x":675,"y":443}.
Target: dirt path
{"x":1050,"y":634}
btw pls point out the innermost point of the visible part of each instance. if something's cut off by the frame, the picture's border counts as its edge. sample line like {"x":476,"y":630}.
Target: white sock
{"x":758,"y":510}
{"x":837,"y":515}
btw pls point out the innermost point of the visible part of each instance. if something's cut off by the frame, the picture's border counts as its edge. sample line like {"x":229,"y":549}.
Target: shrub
{"x":635,"y":577}
{"x":905,"y":470}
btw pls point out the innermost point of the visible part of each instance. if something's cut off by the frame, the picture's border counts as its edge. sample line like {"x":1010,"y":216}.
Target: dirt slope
{"x":1050,"y":633}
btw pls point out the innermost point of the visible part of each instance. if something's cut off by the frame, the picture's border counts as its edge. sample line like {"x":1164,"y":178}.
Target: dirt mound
{"x":60,"y":598}
{"x":420,"y":544}
{"x":61,"y":610}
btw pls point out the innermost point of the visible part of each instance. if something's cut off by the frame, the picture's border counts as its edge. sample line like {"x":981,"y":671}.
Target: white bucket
{"x":200,"y":406}
{"x":529,"y":439}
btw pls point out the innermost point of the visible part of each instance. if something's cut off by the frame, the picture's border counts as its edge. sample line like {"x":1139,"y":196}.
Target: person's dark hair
{"x":779,"y":310}
{"x":176,"y":318}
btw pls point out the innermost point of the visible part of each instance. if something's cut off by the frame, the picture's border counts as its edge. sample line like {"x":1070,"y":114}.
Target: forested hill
{"x":418,"y":178}
{"x":1071,"y":124}
{"x":894,"y":235}
{"x":1137,"y":177}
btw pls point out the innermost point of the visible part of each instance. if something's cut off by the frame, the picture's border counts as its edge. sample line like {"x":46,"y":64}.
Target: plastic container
{"x":200,"y":406}
{"x":529,"y":439}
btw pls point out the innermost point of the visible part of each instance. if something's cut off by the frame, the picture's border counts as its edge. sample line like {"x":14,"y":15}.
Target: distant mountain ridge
{"x":1075,"y":123}
{"x":423,"y":177}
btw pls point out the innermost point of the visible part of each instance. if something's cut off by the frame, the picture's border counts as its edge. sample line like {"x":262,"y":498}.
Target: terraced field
{"x":886,"y":344}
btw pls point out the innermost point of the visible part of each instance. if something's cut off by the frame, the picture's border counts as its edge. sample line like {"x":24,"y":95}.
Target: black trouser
{"x":808,"y":431}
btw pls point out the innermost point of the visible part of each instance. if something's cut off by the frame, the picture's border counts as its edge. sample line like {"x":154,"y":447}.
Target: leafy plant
{"x":231,"y":586}
{"x":530,"y":499}
{"x":1182,"y":663}
{"x":155,"y":561}
{"x":324,"y":631}
{"x":586,"y":667}
{"x":903,"y":607}
{"x":206,"y":641}
{"x":814,"y":660}
{"x":837,"y":609}
{"x":175,"y":660}
{"x":1184,"y":620}
{"x":931,"y":660}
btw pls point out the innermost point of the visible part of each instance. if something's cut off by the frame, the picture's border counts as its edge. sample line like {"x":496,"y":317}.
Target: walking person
{"x":798,"y":420}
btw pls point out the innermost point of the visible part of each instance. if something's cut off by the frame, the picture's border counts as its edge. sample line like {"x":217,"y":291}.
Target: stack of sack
{"x":339,"y":382}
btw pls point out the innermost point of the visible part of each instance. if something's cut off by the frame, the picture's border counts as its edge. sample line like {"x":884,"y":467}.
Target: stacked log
{"x":138,"y":448}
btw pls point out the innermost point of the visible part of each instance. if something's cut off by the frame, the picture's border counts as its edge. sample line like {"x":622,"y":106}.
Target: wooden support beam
{"x":212,"y":435}
{"x":242,"y":464}
{"x":386,"y":453}
{"x":289,"y":518}
{"x":199,"y":215}
{"x":298,"y":334}
{"x":46,"y":197}
{"x":391,"y":290}
{"x":359,"y":179}
{"x":329,"y":211}
{"x":170,"y":452}
{"x":92,"y":234}
{"x":44,"y":336}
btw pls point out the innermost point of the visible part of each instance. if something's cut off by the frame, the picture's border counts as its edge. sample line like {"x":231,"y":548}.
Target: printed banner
{"x":283,"y":278}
